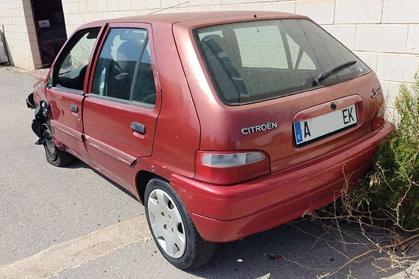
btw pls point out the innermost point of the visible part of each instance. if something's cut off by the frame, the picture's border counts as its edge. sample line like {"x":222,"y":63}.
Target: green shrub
{"x":394,"y":183}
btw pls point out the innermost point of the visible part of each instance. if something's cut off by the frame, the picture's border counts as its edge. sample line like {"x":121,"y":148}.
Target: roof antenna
{"x":168,"y":8}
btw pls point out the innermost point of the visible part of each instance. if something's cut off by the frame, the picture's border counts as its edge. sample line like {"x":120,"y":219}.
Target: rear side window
{"x":259,"y":60}
{"x":124,"y":69}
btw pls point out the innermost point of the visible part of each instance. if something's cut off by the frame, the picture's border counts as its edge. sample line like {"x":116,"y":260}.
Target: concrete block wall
{"x":17,"y":20}
{"x":384,"y":33}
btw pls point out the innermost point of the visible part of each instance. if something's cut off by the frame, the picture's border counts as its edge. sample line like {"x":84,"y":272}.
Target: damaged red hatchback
{"x":223,"y":124}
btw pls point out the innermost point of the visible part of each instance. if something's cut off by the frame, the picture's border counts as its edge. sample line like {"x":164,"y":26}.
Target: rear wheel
{"x":172,"y":228}
{"x":53,"y":155}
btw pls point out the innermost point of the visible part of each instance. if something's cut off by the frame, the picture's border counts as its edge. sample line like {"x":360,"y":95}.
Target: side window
{"x":71,"y":71}
{"x":125,"y":60}
{"x":261,"y":47}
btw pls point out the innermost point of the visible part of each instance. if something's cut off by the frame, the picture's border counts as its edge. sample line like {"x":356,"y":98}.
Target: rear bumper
{"x":228,"y":213}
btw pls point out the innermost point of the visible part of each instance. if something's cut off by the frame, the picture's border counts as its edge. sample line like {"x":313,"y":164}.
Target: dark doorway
{"x":50,"y":27}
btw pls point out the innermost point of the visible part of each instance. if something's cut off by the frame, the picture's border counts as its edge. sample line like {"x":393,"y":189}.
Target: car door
{"x":65,"y":89}
{"x":121,"y":109}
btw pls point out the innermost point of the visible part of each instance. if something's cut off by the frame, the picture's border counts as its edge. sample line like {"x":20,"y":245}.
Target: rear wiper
{"x":318,"y":80}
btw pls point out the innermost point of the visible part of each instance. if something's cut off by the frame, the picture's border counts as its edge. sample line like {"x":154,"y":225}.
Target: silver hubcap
{"x":166,"y":223}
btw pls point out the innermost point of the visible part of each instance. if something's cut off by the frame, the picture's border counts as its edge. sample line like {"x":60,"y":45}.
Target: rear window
{"x":259,"y":60}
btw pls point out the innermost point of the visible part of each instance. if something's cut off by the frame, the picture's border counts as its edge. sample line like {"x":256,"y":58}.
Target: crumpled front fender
{"x":41,"y":116}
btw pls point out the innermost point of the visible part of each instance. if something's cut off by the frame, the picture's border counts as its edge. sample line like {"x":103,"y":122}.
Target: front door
{"x":65,"y":90}
{"x":120,"y":111}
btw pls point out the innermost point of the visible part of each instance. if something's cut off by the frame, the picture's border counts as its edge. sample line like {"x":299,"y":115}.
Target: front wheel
{"x":172,"y":228}
{"x":53,"y":155}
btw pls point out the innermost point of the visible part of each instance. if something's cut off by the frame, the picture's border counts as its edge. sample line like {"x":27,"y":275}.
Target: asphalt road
{"x":74,"y":223}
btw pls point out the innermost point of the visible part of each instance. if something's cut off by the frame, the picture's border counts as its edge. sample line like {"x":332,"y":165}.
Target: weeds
{"x":385,"y":205}
{"x":393,"y":186}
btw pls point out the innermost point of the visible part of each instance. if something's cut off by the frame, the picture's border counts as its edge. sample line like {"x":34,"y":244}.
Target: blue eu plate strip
{"x":298,"y":132}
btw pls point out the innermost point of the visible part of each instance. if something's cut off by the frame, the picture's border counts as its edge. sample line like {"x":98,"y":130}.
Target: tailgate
{"x":349,"y":101}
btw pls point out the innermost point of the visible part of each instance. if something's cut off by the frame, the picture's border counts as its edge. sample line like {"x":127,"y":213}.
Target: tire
{"x":190,"y":250}
{"x":53,"y":155}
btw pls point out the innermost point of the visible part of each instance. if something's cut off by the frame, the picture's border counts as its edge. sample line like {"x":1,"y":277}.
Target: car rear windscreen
{"x":259,"y":60}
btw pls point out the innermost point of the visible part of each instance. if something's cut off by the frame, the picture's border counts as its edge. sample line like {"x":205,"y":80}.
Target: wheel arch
{"x":141,"y":180}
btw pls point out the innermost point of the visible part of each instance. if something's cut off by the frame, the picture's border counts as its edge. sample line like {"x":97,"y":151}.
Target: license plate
{"x":321,"y":126}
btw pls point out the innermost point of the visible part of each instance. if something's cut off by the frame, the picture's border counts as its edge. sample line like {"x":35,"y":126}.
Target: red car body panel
{"x":189,"y":117}
{"x":224,"y":214}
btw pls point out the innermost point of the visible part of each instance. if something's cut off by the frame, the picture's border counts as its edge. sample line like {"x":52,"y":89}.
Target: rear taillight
{"x":224,"y":168}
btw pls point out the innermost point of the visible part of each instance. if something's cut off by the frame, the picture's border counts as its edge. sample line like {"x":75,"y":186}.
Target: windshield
{"x":259,"y":60}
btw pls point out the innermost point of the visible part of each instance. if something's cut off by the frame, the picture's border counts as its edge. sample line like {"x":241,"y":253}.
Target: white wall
{"x":384,"y":33}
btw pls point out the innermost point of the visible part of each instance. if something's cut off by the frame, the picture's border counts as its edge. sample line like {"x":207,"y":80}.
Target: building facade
{"x":384,"y":33}
{"x":16,"y":20}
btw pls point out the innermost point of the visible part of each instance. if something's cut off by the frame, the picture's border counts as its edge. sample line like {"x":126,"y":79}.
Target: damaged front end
{"x":30,"y":102}
{"x":42,"y":112}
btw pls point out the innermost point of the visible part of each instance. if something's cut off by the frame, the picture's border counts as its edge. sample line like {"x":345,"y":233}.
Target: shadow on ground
{"x":79,"y":164}
{"x":301,"y":249}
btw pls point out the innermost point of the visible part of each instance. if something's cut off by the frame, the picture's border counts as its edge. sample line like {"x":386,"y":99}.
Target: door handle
{"x":138,"y":127}
{"x":74,"y":108}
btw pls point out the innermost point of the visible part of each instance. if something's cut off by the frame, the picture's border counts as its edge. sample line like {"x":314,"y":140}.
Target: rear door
{"x":120,"y":111}
{"x":65,"y":89}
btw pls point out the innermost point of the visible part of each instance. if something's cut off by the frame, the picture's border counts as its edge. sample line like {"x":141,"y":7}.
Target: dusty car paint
{"x":189,"y":117}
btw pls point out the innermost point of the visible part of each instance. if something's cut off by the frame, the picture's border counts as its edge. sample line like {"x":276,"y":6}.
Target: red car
{"x":223,"y":124}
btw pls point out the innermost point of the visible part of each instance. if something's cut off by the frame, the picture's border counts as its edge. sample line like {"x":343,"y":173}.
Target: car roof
{"x":191,"y":18}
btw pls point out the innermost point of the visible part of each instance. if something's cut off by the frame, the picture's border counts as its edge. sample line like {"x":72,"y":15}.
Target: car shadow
{"x":301,"y":249}
{"x":79,"y":164}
